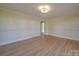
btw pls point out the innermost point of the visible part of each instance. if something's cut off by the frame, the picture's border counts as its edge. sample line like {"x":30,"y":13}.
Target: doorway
{"x":42,"y":27}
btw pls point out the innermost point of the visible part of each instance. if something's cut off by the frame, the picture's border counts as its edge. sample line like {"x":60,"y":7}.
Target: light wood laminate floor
{"x":42,"y":46}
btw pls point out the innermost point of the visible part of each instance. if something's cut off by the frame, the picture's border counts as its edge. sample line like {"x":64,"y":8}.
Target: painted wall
{"x":16,"y":26}
{"x":66,"y":27}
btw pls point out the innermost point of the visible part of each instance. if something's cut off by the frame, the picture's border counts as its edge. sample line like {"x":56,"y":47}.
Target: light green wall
{"x":66,"y":27}
{"x":15,"y":26}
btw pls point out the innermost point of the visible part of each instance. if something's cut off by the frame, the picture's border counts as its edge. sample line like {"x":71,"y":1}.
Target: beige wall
{"x":15,"y":26}
{"x":66,"y":27}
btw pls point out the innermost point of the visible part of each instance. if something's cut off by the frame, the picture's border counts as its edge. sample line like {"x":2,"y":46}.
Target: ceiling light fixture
{"x":44,"y":9}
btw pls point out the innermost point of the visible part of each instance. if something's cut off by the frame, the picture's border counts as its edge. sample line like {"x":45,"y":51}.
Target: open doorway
{"x":42,"y":27}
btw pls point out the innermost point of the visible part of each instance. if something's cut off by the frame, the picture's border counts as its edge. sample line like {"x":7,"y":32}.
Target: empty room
{"x":39,"y":29}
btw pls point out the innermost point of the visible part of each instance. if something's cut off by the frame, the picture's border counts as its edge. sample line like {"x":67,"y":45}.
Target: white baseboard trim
{"x":62,"y":36}
{"x":19,"y":39}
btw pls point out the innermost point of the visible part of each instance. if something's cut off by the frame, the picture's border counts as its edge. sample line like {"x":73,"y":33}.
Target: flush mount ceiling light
{"x":44,"y":9}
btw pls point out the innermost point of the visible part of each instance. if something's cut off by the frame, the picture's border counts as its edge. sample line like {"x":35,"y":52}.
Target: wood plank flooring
{"x":42,"y":46}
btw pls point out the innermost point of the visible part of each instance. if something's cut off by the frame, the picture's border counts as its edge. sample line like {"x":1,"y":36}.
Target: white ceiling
{"x":57,"y":9}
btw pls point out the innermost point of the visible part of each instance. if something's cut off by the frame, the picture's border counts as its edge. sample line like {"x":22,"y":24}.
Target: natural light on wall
{"x":42,"y":26}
